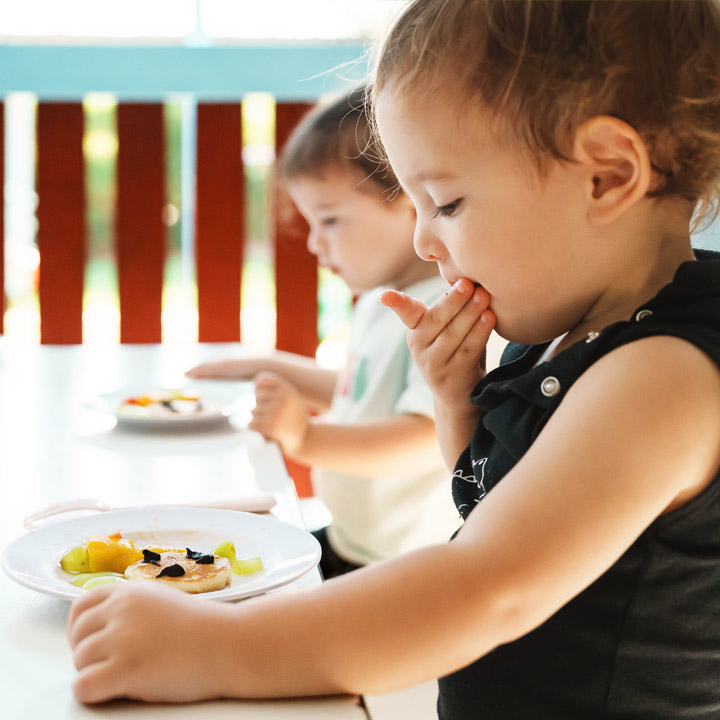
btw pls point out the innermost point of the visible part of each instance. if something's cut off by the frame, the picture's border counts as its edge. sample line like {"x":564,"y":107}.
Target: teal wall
{"x":288,"y":71}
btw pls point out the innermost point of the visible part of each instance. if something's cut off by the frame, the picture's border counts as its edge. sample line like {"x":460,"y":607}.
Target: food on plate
{"x":111,"y":552}
{"x":104,"y":553}
{"x":102,"y":580}
{"x":240,"y":567}
{"x":110,"y":558}
{"x":191,"y":572}
{"x":163,"y":404}
{"x":82,"y":578}
{"x":76,"y":560}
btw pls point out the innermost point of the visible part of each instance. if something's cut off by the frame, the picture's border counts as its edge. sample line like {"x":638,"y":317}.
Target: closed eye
{"x":328,"y":221}
{"x":447,"y":210}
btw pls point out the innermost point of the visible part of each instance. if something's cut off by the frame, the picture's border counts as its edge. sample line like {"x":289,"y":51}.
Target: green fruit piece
{"x":104,"y":580}
{"x":247,"y":566}
{"x":82,"y":578}
{"x":225,"y":549}
{"x":240,"y":567}
{"x":76,"y":560}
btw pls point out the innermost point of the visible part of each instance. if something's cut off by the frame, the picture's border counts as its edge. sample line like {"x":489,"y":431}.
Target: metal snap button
{"x":592,"y":335}
{"x":550,"y":386}
{"x":641,"y":314}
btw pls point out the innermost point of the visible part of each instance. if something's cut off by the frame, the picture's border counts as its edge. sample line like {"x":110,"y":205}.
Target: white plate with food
{"x":286,"y":552}
{"x":163,"y":409}
{"x":167,"y":408}
{"x":176,"y":408}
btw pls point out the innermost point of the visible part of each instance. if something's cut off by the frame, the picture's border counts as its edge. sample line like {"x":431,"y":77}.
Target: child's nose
{"x":427,"y":245}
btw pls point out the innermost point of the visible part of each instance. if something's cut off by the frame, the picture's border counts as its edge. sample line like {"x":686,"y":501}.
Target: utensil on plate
{"x":251,"y":503}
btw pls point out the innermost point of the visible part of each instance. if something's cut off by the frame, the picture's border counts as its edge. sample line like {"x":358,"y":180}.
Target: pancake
{"x":197,"y":577}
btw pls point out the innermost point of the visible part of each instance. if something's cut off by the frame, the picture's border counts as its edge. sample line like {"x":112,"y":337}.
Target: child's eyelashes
{"x":328,"y":221}
{"x":447,"y":210}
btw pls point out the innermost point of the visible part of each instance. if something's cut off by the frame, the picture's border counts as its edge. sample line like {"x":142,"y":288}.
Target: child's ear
{"x":617,"y":167}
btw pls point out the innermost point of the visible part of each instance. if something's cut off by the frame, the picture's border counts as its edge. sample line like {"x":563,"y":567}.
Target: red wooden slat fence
{"x":295,"y":277}
{"x":220,"y":221}
{"x":139,"y":231}
{"x":295,"y":267}
{"x":61,"y":221}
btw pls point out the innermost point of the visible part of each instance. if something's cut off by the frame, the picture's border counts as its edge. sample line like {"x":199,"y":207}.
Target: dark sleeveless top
{"x":643,"y":641}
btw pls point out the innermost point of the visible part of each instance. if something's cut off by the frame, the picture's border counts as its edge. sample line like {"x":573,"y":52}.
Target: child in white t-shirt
{"x":377,"y":465}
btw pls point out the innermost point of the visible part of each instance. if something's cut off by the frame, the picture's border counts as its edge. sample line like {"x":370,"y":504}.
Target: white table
{"x":52,"y":449}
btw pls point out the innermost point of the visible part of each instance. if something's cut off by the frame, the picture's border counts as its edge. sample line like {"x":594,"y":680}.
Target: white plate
{"x":287,"y":552}
{"x":211,"y":414}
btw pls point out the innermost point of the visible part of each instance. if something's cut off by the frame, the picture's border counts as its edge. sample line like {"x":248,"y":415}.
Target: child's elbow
{"x":501,"y":607}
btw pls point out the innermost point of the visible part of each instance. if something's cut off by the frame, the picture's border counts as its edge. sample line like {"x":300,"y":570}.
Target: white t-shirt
{"x":377,"y":518}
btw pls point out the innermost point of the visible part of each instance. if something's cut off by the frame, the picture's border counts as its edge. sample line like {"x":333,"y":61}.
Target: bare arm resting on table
{"x":435,"y":610}
{"x":314,"y":383}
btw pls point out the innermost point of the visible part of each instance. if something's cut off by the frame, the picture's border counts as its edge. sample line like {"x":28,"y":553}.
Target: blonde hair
{"x":543,"y":67}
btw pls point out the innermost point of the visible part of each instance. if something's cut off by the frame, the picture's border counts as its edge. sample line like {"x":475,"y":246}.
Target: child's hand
{"x":237,"y":369}
{"x":447,"y":340}
{"x":132,"y":640}
{"x":280,"y":413}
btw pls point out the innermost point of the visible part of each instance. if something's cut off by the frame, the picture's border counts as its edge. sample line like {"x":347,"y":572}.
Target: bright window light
{"x":290,"y":19}
{"x":194,"y":19}
{"x":97,"y":18}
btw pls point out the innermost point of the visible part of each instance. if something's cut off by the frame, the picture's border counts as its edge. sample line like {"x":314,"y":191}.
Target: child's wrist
{"x":297,"y":443}
{"x":456,"y":411}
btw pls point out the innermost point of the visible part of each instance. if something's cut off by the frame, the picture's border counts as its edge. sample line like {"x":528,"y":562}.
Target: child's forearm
{"x":314,"y":383}
{"x":384,"y":627}
{"x":404,"y":444}
{"x":454,"y":430}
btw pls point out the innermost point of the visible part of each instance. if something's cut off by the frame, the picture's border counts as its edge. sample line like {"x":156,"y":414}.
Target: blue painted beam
{"x":290,"y":72}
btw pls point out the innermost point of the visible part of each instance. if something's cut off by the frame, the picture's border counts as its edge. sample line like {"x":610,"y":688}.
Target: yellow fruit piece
{"x":111,"y":554}
{"x":162,"y":548}
{"x":180,"y":395}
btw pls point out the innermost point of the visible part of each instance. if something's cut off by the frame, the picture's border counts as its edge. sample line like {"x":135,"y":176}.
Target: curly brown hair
{"x":543,"y":67}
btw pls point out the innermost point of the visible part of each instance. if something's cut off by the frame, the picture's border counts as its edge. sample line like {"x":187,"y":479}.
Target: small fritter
{"x":180,"y":571}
